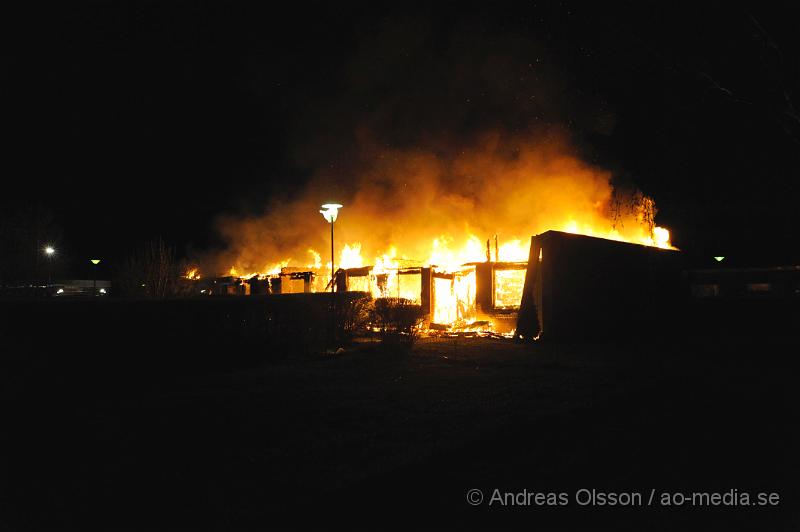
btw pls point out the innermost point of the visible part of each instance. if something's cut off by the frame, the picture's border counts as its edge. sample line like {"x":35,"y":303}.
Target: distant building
{"x":80,"y":288}
{"x":780,"y":282}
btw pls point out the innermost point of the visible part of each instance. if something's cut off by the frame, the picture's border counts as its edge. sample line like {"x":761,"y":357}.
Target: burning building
{"x":477,"y":295}
{"x":415,"y":223}
{"x":570,"y":285}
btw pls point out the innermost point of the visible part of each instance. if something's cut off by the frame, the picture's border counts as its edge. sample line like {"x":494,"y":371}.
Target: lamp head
{"x":330,"y":211}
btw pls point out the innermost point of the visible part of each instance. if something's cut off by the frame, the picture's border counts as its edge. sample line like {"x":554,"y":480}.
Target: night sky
{"x":130,"y":120}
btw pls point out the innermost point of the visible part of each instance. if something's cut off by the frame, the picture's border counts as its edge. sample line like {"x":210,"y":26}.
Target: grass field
{"x":376,"y":440}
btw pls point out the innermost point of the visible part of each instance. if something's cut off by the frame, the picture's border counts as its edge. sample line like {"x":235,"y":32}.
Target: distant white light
{"x":330,"y":211}
{"x":102,"y":290}
{"x":49,"y":250}
{"x":719,"y":259}
{"x":60,"y":291}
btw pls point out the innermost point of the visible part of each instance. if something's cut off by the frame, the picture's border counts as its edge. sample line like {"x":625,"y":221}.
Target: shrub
{"x":398,"y":320}
{"x":352,"y":314}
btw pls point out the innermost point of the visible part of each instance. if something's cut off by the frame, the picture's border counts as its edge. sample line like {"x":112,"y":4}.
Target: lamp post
{"x":330,"y":211}
{"x":49,"y":251}
{"x":94,"y":276}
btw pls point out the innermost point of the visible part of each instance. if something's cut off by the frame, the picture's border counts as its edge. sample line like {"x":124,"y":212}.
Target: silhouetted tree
{"x":152,"y":271}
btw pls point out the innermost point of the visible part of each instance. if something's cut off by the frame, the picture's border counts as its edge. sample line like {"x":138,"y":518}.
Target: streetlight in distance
{"x":49,"y":251}
{"x":330,"y":211}
{"x":94,"y":276}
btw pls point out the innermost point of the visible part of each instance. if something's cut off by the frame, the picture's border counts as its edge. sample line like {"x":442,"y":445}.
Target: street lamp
{"x":94,"y":276}
{"x":330,"y":211}
{"x":49,"y":251}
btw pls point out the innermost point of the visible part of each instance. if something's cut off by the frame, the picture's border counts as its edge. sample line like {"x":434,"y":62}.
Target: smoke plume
{"x":513,"y":186}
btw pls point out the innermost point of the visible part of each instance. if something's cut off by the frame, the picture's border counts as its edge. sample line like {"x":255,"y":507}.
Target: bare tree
{"x":151,"y":271}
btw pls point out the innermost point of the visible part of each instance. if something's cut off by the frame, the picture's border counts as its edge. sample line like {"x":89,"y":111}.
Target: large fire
{"x":410,"y":208}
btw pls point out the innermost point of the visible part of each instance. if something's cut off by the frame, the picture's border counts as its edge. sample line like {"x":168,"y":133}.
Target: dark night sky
{"x":134,"y":119}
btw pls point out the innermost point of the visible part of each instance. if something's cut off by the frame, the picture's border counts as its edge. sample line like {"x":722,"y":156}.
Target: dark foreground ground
{"x":377,"y":441}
